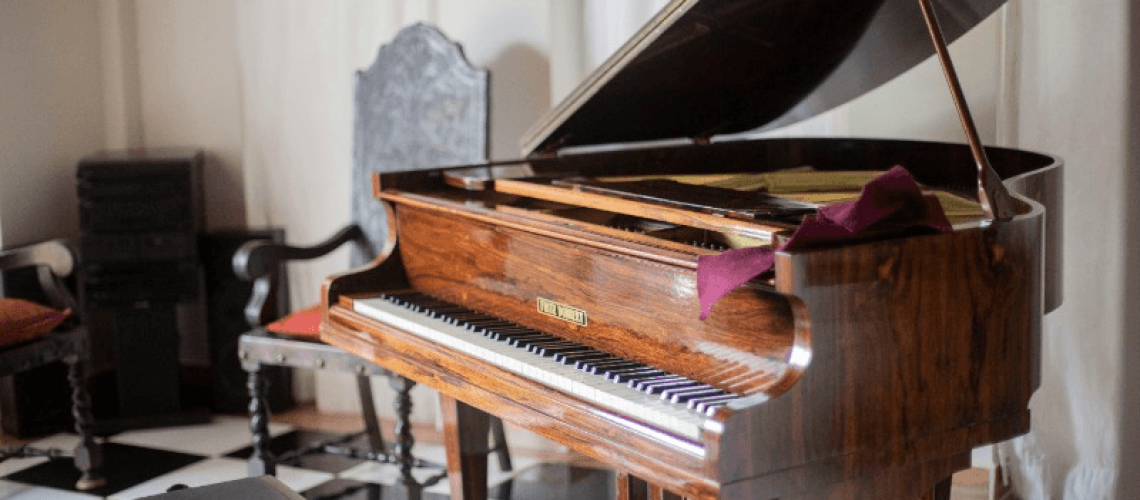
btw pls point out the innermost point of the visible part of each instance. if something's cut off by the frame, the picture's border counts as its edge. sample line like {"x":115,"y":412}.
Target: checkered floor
{"x":144,"y":463}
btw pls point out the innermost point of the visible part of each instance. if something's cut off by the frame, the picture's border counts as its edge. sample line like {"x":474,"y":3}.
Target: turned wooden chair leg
{"x":402,"y":453}
{"x":465,"y":431}
{"x":261,"y":462}
{"x":89,"y":452}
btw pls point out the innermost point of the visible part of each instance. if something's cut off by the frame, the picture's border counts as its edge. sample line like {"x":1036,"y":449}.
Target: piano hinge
{"x":551,"y":149}
{"x":705,"y":138}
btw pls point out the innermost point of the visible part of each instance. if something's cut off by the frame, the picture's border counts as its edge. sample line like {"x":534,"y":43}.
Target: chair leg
{"x":499,"y":444}
{"x":261,"y":462}
{"x":89,"y":452}
{"x":402,"y":453}
{"x":368,"y":411}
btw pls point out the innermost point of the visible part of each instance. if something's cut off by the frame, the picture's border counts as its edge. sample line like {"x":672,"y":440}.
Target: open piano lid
{"x":701,"y":68}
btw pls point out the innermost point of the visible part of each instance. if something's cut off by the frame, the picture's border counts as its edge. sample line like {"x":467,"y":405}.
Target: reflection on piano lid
{"x":864,"y":370}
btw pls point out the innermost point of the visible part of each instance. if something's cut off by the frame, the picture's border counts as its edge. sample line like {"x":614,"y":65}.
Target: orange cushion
{"x":21,"y":321}
{"x":303,"y":323}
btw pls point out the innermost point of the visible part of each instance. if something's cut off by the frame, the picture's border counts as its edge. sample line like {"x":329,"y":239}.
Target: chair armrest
{"x":260,"y":261}
{"x":255,"y":259}
{"x":53,"y":261}
{"x":54,"y":254}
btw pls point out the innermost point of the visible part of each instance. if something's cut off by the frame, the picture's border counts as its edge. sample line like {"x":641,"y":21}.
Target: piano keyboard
{"x":669,"y":402}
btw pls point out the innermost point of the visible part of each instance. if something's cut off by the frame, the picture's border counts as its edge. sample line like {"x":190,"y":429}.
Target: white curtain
{"x":297,"y":60}
{"x":1072,"y":86}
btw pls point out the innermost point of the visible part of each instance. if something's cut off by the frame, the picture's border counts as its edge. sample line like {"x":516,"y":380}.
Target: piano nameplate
{"x":562,"y":312}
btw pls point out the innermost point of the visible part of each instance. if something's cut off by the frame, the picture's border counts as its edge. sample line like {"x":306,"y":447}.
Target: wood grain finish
{"x":922,"y":347}
{"x":635,"y":309}
{"x":871,"y":369}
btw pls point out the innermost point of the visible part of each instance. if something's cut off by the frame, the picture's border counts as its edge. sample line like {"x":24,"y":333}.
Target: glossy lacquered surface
{"x":873,"y":368}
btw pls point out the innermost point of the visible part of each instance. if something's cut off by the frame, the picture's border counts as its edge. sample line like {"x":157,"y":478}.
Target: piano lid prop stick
{"x":995,"y":199}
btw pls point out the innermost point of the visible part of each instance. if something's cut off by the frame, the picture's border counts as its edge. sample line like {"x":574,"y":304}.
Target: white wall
{"x":190,"y":93}
{"x":51,"y":113}
{"x":918,"y":105}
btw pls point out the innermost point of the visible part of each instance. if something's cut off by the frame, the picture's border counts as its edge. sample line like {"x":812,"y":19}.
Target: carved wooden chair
{"x":419,"y":105}
{"x":33,"y":334}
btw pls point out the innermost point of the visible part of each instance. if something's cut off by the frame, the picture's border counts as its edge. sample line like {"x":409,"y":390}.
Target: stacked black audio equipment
{"x":140,"y":214}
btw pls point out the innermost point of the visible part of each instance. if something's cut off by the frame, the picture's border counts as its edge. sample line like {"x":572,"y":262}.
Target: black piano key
{"x":537,"y":347}
{"x":685,"y":397}
{"x":669,"y":393}
{"x":635,"y":367}
{"x":704,"y":404}
{"x":607,"y":368}
{"x":626,"y":377}
{"x":524,"y":340}
{"x":689,"y":385}
{"x":584,"y":363}
{"x":574,"y":357}
{"x":656,"y":389}
{"x":552,"y":351}
{"x":641,"y":384}
{"x":587,"y":364}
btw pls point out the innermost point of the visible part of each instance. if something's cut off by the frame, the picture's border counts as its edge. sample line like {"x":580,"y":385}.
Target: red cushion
{"x":21,"y":321}
{"x":303,"y":323}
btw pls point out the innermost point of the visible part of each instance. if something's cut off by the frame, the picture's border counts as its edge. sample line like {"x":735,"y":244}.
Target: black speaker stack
{"x":140,"y":214}
{"x":160,"y":299}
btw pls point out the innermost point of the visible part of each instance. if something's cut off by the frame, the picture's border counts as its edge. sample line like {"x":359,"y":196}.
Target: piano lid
{"x":701,"y":68}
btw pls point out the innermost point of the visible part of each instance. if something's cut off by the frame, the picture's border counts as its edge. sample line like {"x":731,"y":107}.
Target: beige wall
{"x":190,"y":95}
{"x":917,"y":104}
{"x":51,"y":114}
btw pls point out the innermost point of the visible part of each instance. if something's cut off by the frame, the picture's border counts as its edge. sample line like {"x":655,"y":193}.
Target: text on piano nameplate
{"x":562,"y":312}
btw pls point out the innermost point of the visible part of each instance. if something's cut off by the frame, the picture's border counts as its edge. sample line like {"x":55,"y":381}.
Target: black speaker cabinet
{"x":226,"y":297}
{"x":140,"y":213}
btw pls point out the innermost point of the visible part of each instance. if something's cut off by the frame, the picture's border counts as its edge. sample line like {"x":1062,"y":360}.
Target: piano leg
{"x":631,"y":488}
{"x":465,"y":432}
{"x":941,"y":490}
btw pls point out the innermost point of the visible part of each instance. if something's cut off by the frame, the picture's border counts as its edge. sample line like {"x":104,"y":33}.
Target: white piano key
{"x":648,"y":408}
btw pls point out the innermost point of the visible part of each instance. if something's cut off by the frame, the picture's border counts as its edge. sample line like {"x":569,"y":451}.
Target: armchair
{"x":33,"y":335}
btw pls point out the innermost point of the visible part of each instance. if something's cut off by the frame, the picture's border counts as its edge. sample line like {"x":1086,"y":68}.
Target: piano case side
{"x":922,"y":349}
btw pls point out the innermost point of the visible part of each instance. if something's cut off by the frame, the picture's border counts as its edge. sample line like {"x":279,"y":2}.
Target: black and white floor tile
{"x":149,"y":462}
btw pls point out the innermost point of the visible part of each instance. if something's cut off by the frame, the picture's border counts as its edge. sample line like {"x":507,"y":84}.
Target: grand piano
{"x":559,"y":292}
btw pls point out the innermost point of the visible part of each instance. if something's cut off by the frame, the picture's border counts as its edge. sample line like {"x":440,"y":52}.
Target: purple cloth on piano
{"x":890,"y":204}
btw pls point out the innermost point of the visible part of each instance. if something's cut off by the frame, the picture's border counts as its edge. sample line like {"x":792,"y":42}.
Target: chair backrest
{"x":420,"y":105}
